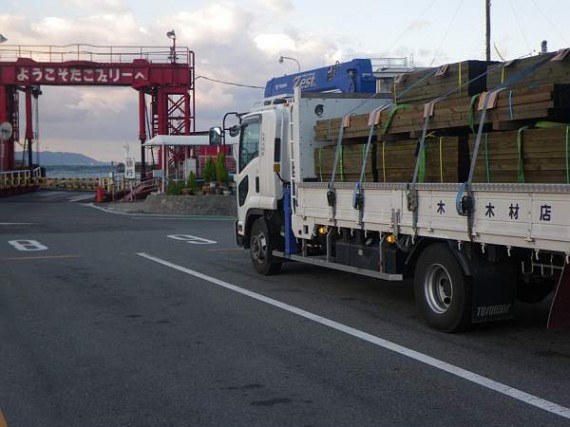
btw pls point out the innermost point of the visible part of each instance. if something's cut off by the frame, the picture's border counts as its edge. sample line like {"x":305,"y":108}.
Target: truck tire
{"x":261,"y":244}
{"x":442,"y":291}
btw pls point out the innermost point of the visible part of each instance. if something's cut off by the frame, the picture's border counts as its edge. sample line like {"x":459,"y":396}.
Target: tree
{"x":209,"y":172}
{"x":192,"y":183}
{"x":222,"y":174}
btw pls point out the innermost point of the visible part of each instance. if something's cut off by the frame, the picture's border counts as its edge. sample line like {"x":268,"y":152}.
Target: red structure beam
{"x":148,"y":70}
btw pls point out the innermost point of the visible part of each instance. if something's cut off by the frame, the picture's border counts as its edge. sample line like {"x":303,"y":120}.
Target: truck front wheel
{"x":442,"y":291}
{"x":260,"y":246}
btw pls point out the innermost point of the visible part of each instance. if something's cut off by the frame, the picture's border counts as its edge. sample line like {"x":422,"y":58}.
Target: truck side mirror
{"x":235,"y":130}
{"x":215,"y":136}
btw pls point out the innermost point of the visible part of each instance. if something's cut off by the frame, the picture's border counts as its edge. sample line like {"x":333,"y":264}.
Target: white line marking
{"x":141,"y":215}
{"x":18,"y":223}
{"x":82,"y":197}
{"x":527,"y":398}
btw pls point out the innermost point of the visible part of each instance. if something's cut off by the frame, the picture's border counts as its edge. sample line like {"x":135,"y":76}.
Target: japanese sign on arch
{"x":89,"y":75}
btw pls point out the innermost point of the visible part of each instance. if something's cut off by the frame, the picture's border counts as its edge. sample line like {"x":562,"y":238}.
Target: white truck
{"x":471,"y":250}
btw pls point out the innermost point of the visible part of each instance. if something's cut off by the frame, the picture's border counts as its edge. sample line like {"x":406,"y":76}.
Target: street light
{"x":3,"y":39}
{"x":282,"y":58}
{"x":172,"y":36}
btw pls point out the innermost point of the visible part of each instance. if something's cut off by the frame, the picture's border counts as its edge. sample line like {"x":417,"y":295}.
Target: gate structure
{"x":164,"y":74}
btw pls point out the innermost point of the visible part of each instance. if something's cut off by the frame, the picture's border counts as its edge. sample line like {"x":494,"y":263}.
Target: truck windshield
{"x":249,"y":142}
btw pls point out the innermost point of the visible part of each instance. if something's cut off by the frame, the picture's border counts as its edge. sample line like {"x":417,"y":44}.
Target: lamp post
{"x":282,"y":58}
{"x":172,"y":36}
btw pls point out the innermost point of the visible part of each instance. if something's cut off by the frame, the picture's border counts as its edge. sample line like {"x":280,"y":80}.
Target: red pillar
{"x":7,"y":146}
{"x":162,"y":117}
{"x":142,"y":130}
{"x":29,"y":125}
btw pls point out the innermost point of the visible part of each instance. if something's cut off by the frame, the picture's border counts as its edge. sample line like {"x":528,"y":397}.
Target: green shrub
{"x":174,"y":188}
{"x":192,"y":183}
{"x":222,"y":174}
{"x":209,"y":172}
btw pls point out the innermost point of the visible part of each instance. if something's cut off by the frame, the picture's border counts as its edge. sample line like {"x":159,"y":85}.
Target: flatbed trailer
{"x":472,"y":250}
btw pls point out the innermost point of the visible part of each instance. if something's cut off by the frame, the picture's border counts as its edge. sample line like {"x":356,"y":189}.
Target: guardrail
{"x":88,"y":52}
{"x":89,"y":184}
{"x":24,"y":179}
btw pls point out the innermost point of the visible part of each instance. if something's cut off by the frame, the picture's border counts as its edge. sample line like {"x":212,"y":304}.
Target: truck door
{"x":257,"y":184}
{"x":248,"y":163}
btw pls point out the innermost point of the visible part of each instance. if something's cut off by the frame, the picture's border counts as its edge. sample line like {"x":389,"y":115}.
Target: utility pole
{"x":488,"y":29}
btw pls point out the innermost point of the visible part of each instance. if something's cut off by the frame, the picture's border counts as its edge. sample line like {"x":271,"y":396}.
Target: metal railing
{"x":94,"y":53}
{"x":24,"y":178}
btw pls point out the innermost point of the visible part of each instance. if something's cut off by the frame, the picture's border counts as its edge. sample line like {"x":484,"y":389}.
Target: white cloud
{"x":216,"y":23}
{"x":276,"y":6}
{"x":418,"y":25}
{"x":107,"y":100}
{"x":274,"y":43}
{"x":234,"y":42}
{"x":101,"y":29}
{"x":100,"y":5}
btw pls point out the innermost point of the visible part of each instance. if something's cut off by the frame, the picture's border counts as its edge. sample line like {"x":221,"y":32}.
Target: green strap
{"x":422,"y":164}
{"x":520,"y":178}
{"x":471,"y":114}
{"x":487,"y":163}
{"x":391,"y":115}
{"x":544,"y":124}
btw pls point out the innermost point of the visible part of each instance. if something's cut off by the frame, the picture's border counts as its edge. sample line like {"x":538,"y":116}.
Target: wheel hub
{"x":259,"y":248}
{"x":438,"y":289}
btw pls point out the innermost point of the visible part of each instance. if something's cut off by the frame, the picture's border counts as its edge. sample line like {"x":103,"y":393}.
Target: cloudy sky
{"x":240,"y":41}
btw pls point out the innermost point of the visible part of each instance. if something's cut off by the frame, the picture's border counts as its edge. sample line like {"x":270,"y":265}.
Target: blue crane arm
{"x":354,"y":76}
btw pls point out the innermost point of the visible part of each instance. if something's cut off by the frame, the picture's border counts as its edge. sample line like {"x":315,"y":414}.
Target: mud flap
{"x":494,"y":290}
{"x":559,"y":317}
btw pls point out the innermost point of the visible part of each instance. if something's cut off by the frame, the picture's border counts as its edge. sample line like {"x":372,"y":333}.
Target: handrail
{"x":19,"y":178}
{"x":94,"y":53}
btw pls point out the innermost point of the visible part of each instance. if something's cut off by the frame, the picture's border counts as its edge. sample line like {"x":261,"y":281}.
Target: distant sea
{"x":79,"y":171}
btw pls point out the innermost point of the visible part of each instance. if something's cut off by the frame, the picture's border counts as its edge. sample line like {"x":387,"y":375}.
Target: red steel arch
{"x":165,"y":74}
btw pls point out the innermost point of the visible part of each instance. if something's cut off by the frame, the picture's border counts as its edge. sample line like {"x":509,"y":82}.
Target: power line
{"x":521,"y":29}
{"x":446,"y":32}
{"x":407,"y":28}
{"x":545,"y":16}
{"x":229,"y":83}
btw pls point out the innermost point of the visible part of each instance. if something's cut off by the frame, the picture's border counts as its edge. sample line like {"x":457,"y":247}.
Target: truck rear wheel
{"x":260,"y":246}
{"x":442,"y":291}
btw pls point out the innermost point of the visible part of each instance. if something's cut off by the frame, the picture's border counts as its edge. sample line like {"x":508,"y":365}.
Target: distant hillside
{"x":52,"y":158}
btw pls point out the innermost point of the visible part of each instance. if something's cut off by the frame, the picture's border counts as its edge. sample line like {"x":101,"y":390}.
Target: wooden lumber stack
{"x":459,"y":80}
{"x":393,"y":161}
{"x":397,"y":160}
{"x":511,"y":110}
{"x":526,"y":105}
{"x":349,"y":165}
{"x":541,"y":158}
{"x":327,"y":130}
{"x":531,"y":72}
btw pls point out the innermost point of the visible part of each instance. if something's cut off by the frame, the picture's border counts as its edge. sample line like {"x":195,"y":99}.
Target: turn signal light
{"x":323,"y":230}
{"x":391,"y":239}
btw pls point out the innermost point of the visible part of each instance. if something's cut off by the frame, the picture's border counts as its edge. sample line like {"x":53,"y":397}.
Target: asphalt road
{"x":135,"y":320}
